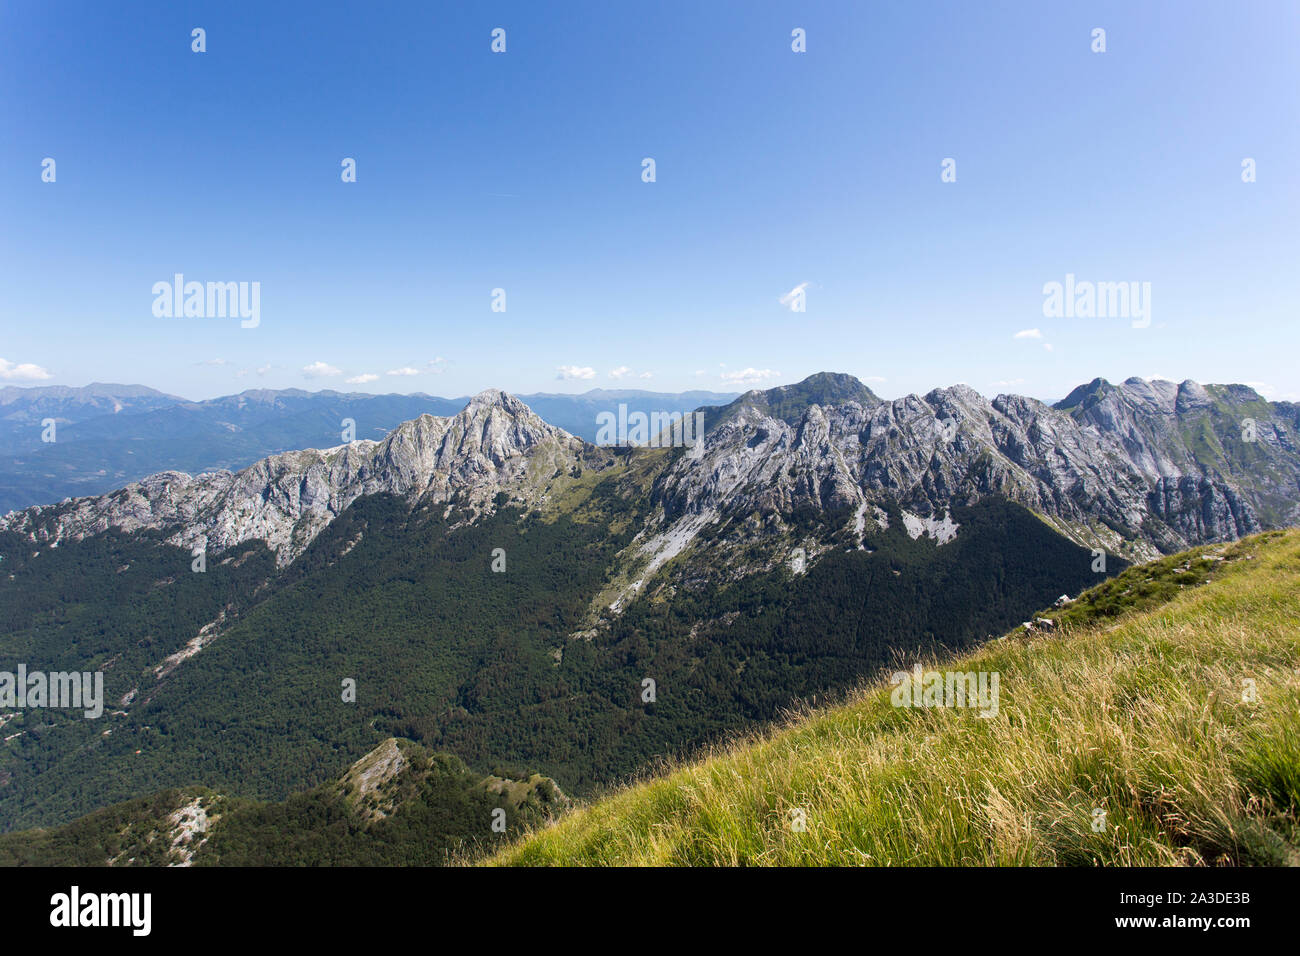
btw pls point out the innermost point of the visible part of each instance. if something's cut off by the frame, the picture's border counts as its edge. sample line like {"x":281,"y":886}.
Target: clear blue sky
{"x":523,"y":171}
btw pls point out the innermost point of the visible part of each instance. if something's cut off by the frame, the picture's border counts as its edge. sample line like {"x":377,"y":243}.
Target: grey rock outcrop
{"x":1136,"y":469}
{"x":495,"y":444}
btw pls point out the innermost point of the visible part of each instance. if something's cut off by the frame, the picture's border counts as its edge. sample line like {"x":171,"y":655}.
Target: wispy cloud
{"x":788,"y":300}
{"x":320,"y":370}
{"x":624,"y":371}
{"x":570,"y":372}
{"x":250,"y":371}
{"x":749,"y":376}
{"x":1033,"y":334}
{"x":1272,"y":392}
{"x":406,"y":370}
{"x":216,"y":362}
{"x":24,"y":372}
{"x":361,"y":379}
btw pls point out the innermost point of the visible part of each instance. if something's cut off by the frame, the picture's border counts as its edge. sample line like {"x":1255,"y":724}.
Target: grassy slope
{"x":1138,"y":712}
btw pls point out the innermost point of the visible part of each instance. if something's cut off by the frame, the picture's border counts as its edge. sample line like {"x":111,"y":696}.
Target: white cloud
{"x":1271,"y":392}
{"x":1006,"y":383}
{"x":361,"y":379}
{"x":320,"y":370}
{"x":1028,"y":334}
{"x":436,"y":365}
{"x":623,"y":372}
{"x":214,"y":362}
{"x":789,"y":299}
{"x":749,"y":376}
{"x":568,"y":372}
{"x":1048,"y":346}
{"x":25,"y":372}
{"x":259,"y":371}
{"x":406,"y":370}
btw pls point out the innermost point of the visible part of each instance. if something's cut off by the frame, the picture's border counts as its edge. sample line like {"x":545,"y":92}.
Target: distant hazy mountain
{"x":577,"y":414}
{"x":26,"y":406}
{"x":109,"y":435}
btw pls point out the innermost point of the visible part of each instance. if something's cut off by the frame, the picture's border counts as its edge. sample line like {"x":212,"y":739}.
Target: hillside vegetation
{"x":1154,"y":724}
{"x":400,"y":805}
{"x":496,"y":668}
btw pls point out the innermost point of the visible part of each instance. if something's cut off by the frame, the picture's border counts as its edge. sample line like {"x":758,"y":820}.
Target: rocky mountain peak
{"x":789,"y":403}
{"x":1136,"y":469}
{"x":957,"y":399}
{"x":1087,"y":395}
{"x":495,"y":443}
{"x":495,"y":397}
{"x":1192,"y":396}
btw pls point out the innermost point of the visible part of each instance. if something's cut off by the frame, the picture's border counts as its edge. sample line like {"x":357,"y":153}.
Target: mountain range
{"x":500,"y":590}
{"x":1137,"y":469}
{"x":107,"y":435}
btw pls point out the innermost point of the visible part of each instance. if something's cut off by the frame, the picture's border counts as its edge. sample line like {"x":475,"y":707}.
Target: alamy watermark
{"x":1083,"y":299}
{"x":62,"y":690}
{"x":212,"y":300}
{"x":651,"y":430}
{"x":128,"y":910}
{"x":947,"y":689}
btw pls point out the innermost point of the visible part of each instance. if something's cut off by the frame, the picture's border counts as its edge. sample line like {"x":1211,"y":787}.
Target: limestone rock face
{"x":1138,"y":469}
{"x":493,"y":445}
{"x":1141,"y":468}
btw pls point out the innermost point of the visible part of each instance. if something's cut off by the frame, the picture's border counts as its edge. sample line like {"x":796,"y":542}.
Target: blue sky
{"x":522,"y":171}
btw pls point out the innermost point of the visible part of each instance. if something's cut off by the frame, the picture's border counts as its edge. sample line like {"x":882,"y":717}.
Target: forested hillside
{"x":499,"y":668}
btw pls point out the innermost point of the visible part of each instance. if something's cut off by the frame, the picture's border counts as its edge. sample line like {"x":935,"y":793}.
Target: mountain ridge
{"x":285,"y":500}
{"x":1109,"y":466}
{"x":1123,"y":473}
{"x":82,"y":445}
{"x":397,"y":805}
